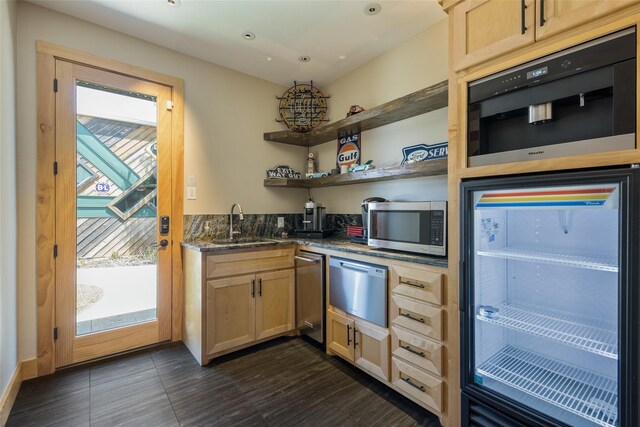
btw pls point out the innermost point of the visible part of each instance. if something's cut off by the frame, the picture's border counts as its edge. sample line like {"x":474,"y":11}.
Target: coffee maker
{"x":314,"y":221}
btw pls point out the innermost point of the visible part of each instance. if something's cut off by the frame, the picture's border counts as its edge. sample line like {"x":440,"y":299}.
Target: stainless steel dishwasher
{"x":310,"y":295}
{"x":359,"y":288}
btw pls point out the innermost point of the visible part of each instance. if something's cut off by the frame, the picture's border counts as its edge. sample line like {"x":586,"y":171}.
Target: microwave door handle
{"x":355,"y":267}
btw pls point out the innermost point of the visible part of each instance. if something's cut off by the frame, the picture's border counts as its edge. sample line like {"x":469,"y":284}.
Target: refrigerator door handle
{"x":462,"y":297}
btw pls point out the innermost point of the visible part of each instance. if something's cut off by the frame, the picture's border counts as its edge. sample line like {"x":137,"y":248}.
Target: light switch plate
{"x":191,"y":181}
{"x":280,"y":222}
{"x":191,"y":193}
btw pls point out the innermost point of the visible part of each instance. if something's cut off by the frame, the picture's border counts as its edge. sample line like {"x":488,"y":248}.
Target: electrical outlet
{"x":280,"y":222}
{"x":191,"y":193}
{"x":207,"y":226}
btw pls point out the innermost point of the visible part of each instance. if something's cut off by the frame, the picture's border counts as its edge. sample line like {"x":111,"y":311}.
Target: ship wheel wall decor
{"x":302,"y":107}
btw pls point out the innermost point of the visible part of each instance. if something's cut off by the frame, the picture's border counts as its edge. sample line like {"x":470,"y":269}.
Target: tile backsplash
{"x":216,"y":226}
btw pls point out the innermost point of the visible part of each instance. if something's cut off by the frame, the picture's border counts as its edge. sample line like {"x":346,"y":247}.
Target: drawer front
{"x":249,"y":262}
{"x":417,"y":316}
{"x":421,"y":351}
{"x":416,"y":283}
{"x":417,"y":383}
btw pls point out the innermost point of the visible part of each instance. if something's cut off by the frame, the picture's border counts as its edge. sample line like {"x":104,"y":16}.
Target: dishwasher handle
{"x":356,"y":267}
{"x":301,"y":258}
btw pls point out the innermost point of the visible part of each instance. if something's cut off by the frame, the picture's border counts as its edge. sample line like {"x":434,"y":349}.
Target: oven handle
{"x":301,"y":258}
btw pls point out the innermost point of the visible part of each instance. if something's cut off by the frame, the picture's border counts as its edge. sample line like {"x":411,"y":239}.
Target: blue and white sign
{"x":420,"y":152}
{"x":103,"y":187}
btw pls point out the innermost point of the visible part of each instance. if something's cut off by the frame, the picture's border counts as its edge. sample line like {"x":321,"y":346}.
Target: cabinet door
{"x":340,"y":335}
{"x":488,"y":28}
{"x":372,"y":349}
{"x":230,"y":313}
{"x":275,"y":303}
{"x":556,"y":16}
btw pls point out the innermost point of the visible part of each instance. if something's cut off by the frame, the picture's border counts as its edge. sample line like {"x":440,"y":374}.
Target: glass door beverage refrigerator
{"x":549,"y":299}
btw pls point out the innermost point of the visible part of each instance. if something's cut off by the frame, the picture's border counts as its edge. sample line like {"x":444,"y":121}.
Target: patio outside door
{"x":113,"y":200}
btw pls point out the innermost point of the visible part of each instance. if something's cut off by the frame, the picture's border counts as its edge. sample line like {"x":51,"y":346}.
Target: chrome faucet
{"x":231,"y":232}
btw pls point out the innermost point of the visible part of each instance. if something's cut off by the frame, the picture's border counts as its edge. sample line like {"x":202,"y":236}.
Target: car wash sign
{"x":348,"y":150}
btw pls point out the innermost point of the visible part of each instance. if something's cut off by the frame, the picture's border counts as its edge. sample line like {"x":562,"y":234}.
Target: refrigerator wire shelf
{"x":592,"y":335}
{"x":577,"y":390}
{"x":589,"y":262}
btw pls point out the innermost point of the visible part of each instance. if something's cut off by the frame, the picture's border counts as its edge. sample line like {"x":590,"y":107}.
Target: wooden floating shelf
{"x":423,"y":101}
{"x":412,"y":170}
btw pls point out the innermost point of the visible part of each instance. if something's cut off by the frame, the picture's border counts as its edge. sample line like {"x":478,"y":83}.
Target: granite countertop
{"x":335,"y":244}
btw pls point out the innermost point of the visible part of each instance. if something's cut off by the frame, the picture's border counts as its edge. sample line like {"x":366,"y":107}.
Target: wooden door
{"x":112,"y":184}
{"x":275,"y":303}
{"x":340,"y":335}
{"x":488,"y":28}
{"x":556,"y":16}
{"x":231,"y":307}
{"x":372,"y":349}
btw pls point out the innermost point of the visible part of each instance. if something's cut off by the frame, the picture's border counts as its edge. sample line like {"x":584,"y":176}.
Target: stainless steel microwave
{"x":577,"y":101}
{"x":409,"y":226}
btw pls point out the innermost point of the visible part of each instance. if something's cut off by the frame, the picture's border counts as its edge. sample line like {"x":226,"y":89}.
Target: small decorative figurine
{"x":311,"y":164}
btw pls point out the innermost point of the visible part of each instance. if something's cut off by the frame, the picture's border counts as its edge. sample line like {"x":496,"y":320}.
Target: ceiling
{"x":338,"y":36}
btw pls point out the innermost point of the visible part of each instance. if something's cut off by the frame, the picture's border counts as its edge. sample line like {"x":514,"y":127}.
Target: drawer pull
{"x":410,"y":350}
{"x":408,"y":316}
{"x":412,"y":384}
{"x":415,"y":285}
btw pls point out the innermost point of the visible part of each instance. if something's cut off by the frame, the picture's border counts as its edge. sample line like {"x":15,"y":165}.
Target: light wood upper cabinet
{"x":231,"y":307}
{"x":275,"y":303}
{"x":487,"y":28}
{"x":484,"y":29}
{"x":556,"y":16}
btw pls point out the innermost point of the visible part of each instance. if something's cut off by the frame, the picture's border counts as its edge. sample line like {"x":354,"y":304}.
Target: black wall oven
{"x":577,"y":101}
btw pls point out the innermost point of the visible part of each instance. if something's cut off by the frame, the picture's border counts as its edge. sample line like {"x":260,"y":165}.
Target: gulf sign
{"x":349,"y":150}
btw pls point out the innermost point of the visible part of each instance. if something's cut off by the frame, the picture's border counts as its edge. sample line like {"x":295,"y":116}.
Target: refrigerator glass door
{"x":545,"y":299}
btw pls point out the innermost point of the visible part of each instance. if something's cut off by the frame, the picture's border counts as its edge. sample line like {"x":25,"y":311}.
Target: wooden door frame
{"x":47,"y":54}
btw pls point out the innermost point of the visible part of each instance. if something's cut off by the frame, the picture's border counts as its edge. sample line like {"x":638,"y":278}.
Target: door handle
{"x":164,"y":243}
{"x":542,"y":13}
{"x":260,"y":287}
{"x":408,"y":316}
{"x":253,"y":288}
{"x":348,"y":335}
{"x":523,"y":6}
{"x":411,"y":383}
{"x":410,"y":350}
{"x":355,"y":341}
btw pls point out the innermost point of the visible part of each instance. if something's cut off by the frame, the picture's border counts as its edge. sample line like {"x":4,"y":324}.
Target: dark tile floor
{"x":286,"y":382}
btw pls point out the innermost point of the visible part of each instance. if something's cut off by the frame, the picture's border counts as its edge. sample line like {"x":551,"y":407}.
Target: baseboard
{"x":10,"y":394}
{"x":29,"y":369}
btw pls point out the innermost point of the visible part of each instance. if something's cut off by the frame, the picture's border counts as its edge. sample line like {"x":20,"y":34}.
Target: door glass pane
{"x":546,"y":299}
{"x":116,"y":186}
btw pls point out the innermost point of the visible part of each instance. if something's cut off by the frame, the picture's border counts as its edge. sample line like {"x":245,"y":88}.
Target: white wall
{"x":415,"y":64}
{"x":226,"y":113}
{"x":8,"y":300}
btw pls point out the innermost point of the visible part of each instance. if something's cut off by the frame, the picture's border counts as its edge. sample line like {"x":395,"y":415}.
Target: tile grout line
{"x":165,"y":390}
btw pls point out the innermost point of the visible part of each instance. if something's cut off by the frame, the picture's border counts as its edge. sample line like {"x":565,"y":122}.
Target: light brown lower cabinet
{"x":417,"y":383}
{"x":228,"y":313}
{"x":360,"y":342}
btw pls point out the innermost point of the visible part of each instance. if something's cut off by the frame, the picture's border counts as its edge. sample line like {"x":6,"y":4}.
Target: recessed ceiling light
{"x":269,"y":58}
{"x":248,"y":35}
{"x":372,"y":8}
{"x":304,"y":58}
{"x":174,"y":3}
{"x":342,"y":57}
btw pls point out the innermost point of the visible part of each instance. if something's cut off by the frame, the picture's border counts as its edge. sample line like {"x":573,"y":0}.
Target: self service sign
{"x":348,"y":150}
